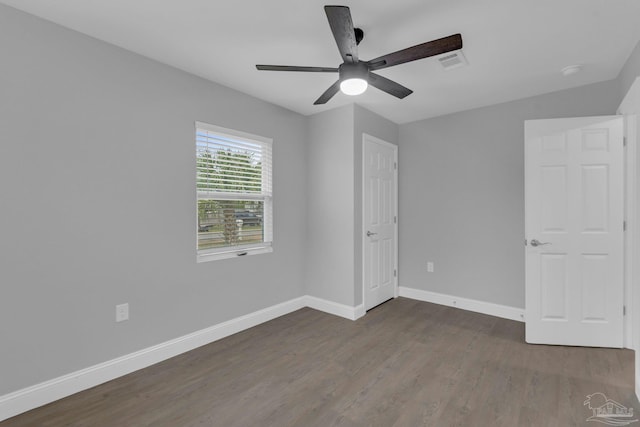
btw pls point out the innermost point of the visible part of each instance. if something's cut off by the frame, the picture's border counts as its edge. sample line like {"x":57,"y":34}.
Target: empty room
{"x":293,"y":213}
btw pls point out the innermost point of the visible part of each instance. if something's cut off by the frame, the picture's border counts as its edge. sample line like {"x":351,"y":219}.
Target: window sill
{"x":238,"y":253}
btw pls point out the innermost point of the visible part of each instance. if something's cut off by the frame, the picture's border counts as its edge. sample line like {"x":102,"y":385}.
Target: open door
{"x":574,"y":208}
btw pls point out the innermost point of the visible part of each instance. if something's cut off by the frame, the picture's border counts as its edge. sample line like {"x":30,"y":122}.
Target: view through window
{"x":234,"y":192}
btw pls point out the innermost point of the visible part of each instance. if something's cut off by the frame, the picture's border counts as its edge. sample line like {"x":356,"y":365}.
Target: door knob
{"x":535,"y":243}
{"x":369,"y":234}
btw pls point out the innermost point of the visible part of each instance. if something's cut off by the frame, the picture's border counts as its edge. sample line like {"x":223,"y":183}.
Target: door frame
{"x":630,"y":109}
{"x":630,"y":238}
{"x":366,"y":137}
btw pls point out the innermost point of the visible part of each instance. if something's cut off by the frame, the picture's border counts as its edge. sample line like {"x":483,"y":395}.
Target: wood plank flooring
{"x":406,"y":363}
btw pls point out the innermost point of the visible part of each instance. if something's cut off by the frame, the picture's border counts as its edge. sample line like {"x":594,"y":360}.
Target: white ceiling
{"x":515,"y":48}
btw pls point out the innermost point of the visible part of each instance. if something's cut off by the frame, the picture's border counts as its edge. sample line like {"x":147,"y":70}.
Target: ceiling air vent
{"x":453,"y":60}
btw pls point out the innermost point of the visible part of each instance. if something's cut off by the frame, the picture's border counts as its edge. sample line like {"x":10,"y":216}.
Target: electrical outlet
{"x":430,"y":267}
{"x":122,"y":312}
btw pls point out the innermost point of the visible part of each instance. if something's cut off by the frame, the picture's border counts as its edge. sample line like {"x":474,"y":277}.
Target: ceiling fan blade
{"x":424,"y":50}
{"x":296,"y":68}
{"x":342,"y":28}
{"x":328,"y":94}
{"x":389,"y":86}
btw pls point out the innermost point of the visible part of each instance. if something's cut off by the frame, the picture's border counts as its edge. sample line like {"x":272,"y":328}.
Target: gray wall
{"x":372,"y":124}
{"x":97,"y":179}
{"x":334,"y":247}
{"x":629,"y":72}
{"x":462,"y":193}
{"x":330,"y":227}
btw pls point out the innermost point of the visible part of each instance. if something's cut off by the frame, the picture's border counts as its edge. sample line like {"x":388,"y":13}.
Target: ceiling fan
{"x":355,"y":75}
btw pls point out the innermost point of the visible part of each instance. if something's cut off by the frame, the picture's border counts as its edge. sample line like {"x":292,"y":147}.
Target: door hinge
{"x":395,"y":273}
{"x":395,"y":165}
{"x":395,"y":219}
{"x":624,"y":141}
{"x":624,"y":225}
{"x":624,"y":310}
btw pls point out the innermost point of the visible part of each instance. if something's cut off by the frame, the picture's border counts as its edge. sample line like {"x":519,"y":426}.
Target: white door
{"x":379,"y":221}
{"x":574,"y":229}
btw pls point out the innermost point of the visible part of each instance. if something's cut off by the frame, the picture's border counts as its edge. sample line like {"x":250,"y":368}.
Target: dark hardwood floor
{"x":406,"y":363}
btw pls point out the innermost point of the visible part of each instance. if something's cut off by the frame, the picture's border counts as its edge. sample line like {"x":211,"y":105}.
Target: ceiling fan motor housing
{"x":358,"y":70}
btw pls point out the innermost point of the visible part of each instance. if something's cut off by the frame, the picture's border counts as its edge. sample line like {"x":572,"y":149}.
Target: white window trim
{"x":235,"y":253}
{"x":241,"y":250}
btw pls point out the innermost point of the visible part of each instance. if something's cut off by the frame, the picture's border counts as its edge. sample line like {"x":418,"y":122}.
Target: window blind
{"x":234,"y":191}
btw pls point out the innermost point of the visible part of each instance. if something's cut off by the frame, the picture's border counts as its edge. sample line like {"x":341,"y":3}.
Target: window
{"x":233,"y":187}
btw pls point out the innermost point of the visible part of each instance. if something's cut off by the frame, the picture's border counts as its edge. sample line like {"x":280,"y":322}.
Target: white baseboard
{"x":359,"y":311}
{"x":636,"y":362}
{"x":342,"y":310}
{"x":40,"y":394}
{"x":483,"y":307}
{"x":32,"y":397}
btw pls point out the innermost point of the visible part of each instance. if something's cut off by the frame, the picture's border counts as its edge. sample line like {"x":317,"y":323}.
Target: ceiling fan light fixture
{"x":354,"y":86}
{"x":354,"y":78}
